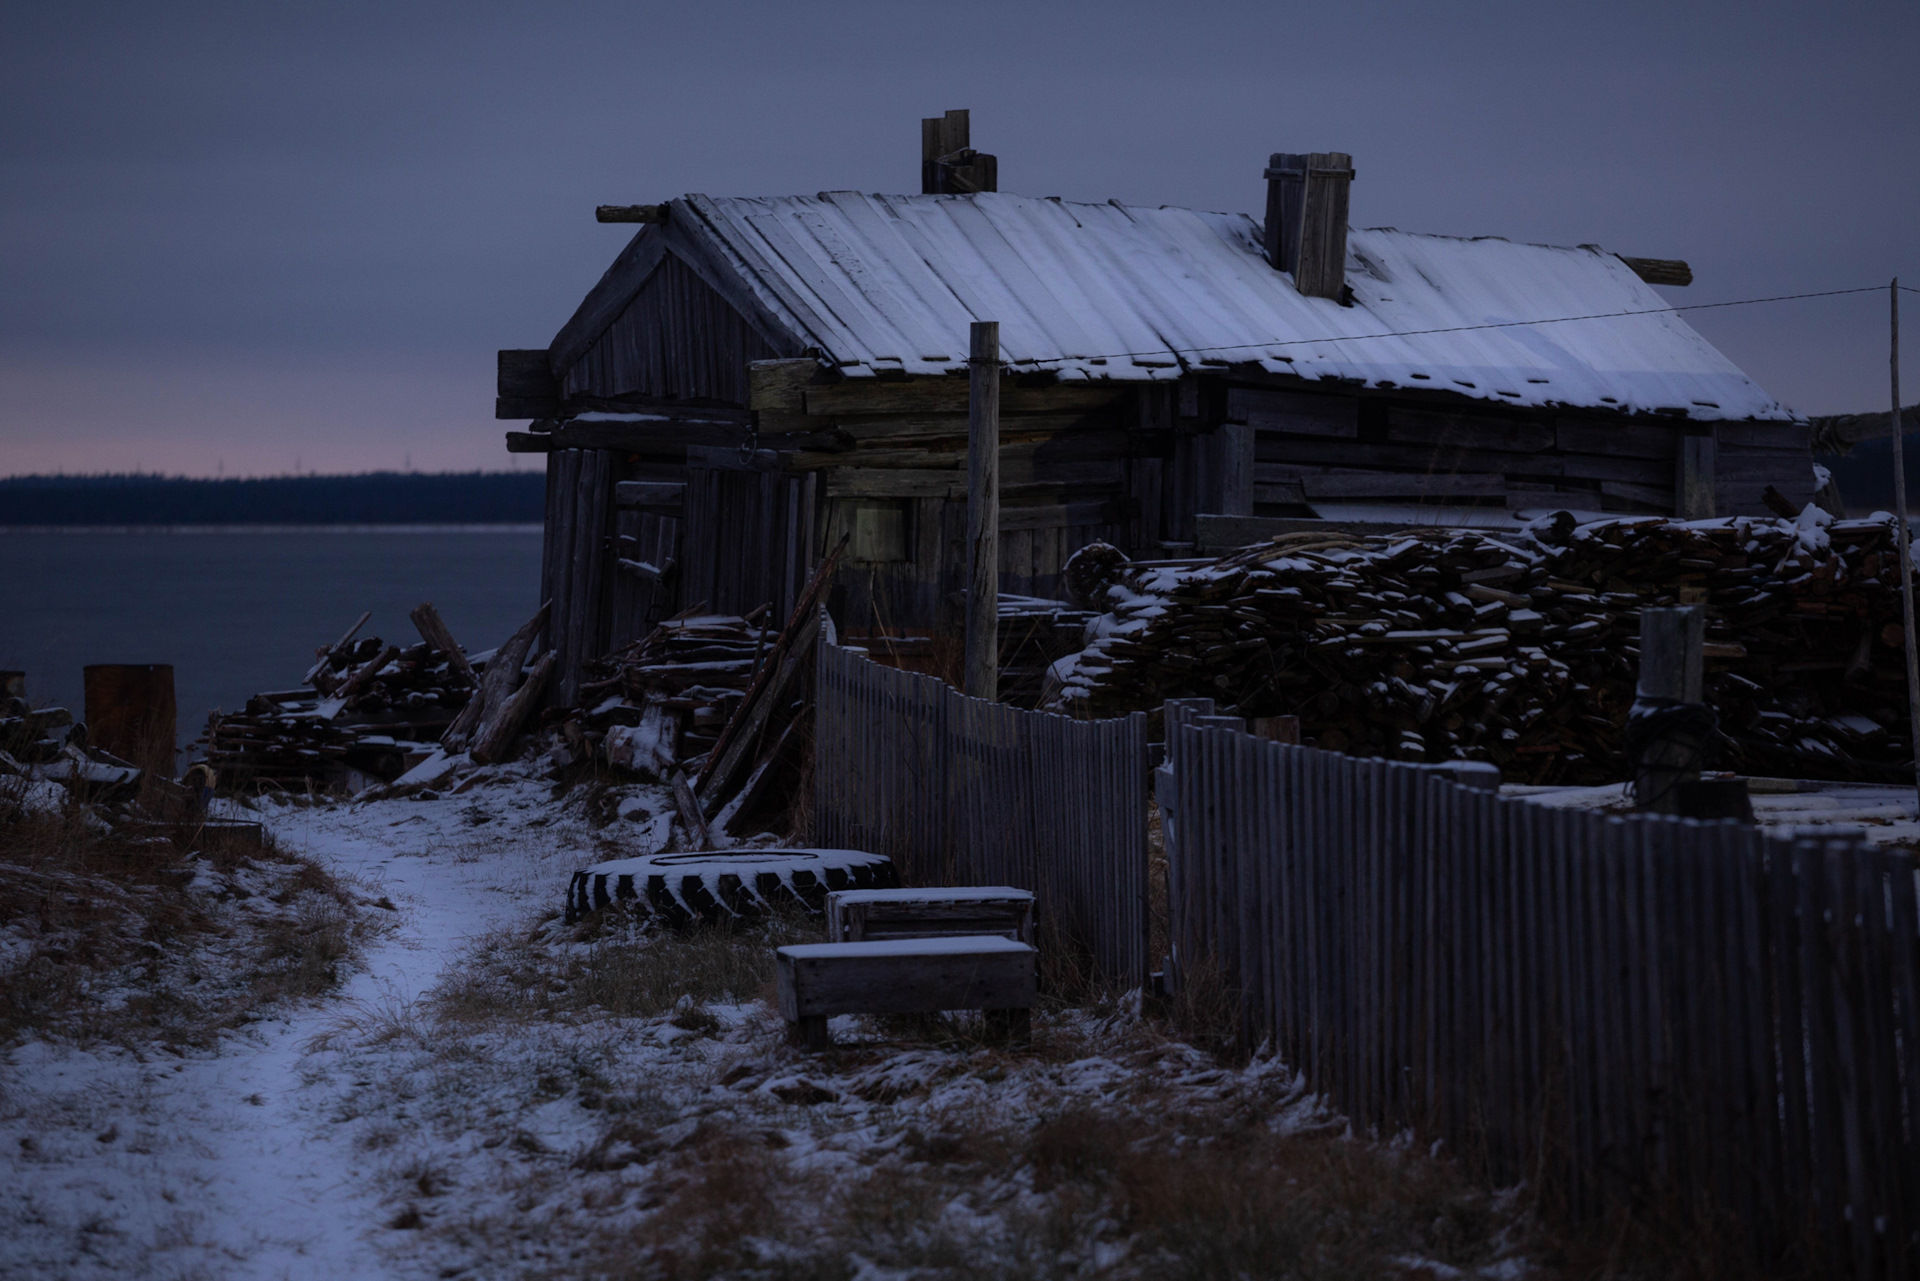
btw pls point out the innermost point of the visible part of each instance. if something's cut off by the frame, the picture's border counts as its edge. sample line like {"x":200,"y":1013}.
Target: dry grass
{"x":131,"y":935}
{"x":1090,"y":1192}
{"x":684,"y":1139}
{"x":610,"y":966}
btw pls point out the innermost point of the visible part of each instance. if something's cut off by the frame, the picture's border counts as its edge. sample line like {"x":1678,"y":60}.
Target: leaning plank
{"x":503,"y":669}
{"x":691,"y":819}
{"x":321,"y":669}
{"x":756,"y":710}
{"x":729,"y":749}
{"x":498,"y":729}
{"x":434,"y":631}
{"x":356,"y":682}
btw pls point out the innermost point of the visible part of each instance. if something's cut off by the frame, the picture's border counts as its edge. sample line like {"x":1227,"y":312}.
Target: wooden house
{"x":753,"y":378}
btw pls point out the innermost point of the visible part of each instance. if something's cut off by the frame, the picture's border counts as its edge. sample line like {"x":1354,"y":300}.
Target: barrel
{"x":130,"y":712}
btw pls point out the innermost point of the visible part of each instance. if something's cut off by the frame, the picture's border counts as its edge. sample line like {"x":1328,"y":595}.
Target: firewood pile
{"x":664,"y":699}
{"x":46,"y":745}
{"x":1520,"y":649}
{"x":369,"y":711}
{"x":717,"y":706}
{"x":1034,"y":633}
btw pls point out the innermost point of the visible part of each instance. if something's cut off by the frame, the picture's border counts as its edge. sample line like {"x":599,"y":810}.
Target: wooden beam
{"x":779,"y":386}
{"x":1838,"y":433}
{"x":524,"y":374}
{"x":948,"y":394}
{"x":1659,"y":271}
{"x":655,"y":214}
{"x":646,"y":436}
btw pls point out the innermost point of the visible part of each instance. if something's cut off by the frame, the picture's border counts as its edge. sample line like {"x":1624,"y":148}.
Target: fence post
{"x":1669,"y":726}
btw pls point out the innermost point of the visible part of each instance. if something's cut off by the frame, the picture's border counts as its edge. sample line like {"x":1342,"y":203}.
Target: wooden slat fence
{"x":1627,"y":1011}
{"x":962,"y":791}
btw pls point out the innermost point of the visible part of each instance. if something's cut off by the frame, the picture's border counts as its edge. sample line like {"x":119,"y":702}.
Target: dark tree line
{"x":374,"y":498}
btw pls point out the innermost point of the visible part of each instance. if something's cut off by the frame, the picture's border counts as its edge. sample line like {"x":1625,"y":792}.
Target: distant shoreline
{"x":474,"y":527}
{"x":374,"y":500}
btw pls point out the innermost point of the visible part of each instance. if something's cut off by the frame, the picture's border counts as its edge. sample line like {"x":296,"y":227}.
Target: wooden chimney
{"x":948,"y":164}
{"x":1306,"y":231}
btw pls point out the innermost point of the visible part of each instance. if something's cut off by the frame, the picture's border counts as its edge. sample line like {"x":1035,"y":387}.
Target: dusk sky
{"x":240,"y":239}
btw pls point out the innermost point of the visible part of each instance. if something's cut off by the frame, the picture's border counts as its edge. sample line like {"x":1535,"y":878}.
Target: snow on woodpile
{"x":663,"y":700}
{"x":387,"y":708}
{"x":1522,"y":649}
{"x":1110,"y":291}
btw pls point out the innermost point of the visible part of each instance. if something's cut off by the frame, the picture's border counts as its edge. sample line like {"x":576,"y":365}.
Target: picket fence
{"x":1635,"y":1011}
{"x":961,"y":791}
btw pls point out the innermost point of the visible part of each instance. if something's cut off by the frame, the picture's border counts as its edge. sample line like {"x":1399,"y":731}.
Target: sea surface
{"x":241,"y":610}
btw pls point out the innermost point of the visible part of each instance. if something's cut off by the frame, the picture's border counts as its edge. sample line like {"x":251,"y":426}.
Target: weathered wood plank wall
{"x":959,"y":790}
{"x":678,"y":339}
{"x":1620,"y":1010}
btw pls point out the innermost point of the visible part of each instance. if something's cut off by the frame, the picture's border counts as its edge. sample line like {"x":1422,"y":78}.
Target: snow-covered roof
{"x":1111,"y":291}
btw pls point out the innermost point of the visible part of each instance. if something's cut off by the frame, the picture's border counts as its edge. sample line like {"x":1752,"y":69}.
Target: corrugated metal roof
{"x":1120,"y":292}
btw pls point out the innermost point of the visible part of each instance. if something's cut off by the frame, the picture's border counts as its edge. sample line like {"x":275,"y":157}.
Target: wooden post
{"x":1902,"y":534}
{"x":983,"y":511}
{"x":1278,"y":729}
{"x":1694,"y":478}
{"x":130,"y":713}
{"x":1671,"y":675}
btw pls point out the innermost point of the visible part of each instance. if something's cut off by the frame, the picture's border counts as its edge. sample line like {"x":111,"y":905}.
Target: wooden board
{"x":648,"y":437}
{"x":649,"y":493}
{"x":1446,"y":459}
{"x":862,"y":915}
{"x":949,"y":395}
{"x":1297,"y":413}
{"x":1341,"y":482}
{"x":1468,"y":431}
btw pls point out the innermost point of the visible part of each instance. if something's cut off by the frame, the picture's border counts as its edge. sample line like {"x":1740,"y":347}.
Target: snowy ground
{"x":121,"y":1164}
{"x":491,"y":1095}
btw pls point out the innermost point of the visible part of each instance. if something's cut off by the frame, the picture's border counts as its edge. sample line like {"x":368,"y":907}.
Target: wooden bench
{"x":906,"y":976}
{"x":855,"y":916}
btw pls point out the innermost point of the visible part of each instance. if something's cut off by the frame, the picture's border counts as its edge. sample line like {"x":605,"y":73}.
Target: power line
{"x":1504,"y":324}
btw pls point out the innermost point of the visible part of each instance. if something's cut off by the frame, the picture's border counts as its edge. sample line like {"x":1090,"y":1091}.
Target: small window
{"x":879,"y":530}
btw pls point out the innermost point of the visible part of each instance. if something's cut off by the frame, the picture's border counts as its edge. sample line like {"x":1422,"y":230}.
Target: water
{"x":240,"y":611}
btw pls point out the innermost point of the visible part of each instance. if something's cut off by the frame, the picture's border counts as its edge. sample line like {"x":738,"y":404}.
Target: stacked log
{"x":368,"y":707}
{"x":1522,"y":649}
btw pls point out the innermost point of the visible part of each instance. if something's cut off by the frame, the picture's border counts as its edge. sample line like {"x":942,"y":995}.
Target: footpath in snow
{"x":226,"y":1163}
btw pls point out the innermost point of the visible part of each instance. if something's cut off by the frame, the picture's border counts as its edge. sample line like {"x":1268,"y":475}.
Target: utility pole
{"x":983,"y":511}
{"x":1904,"y":537}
